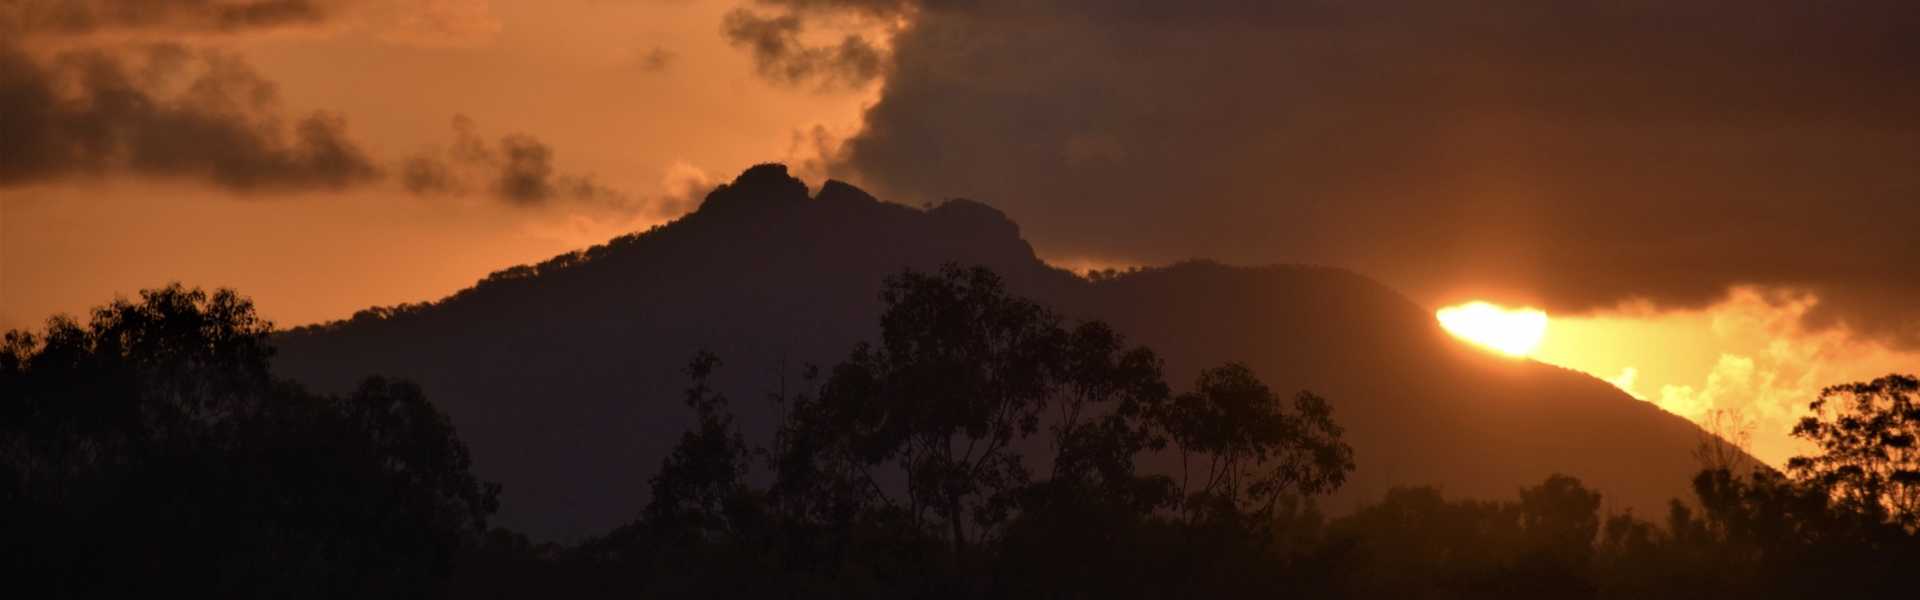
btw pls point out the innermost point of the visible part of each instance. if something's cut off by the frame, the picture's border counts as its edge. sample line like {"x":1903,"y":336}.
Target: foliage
{"x":1255,"y":452}
{"x":703,"y":481}
{"x":1866,"y":434}
{"x":152,"y":449}
{"x":963,"y":372}
{"x":980,"y":434}
{"x":983,"y":447}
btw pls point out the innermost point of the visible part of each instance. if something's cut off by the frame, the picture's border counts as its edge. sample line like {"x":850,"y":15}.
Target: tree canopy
{"x":982,"y":446}
{"x":1866,"y":433}
{"x":151,"y":449}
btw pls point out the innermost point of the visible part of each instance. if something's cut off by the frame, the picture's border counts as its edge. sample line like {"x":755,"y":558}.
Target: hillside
{"x":564,"y":377}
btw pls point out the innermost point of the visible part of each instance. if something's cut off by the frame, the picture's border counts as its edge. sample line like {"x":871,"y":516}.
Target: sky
{"x":1714,"y":200}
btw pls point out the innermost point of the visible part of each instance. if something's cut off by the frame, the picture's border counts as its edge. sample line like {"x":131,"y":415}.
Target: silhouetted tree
{"x":1108,"y":396}
{"x":982,"y":407}
{"x":703,"y":482}
{"x":1866,"y":433}
{"x":963,"y":371}
{"x":1560,"y":519}
{"x":151,"y":449}
{"x":1841,"y":525}
{"x":1417,"y":543}
{"x":1094,"y":505}
{"x":945,"y":426}
{"x":1254,"y":451}
{"x":1725,"y":438}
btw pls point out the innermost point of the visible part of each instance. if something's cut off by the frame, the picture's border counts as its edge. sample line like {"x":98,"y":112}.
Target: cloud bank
{"x":432,"y":23}
{"x":69,"y":17}
{"x":517,"y":170}
{"x":1573,"y":154}
{"x":169,"y":112}
{"x":780,"y":54}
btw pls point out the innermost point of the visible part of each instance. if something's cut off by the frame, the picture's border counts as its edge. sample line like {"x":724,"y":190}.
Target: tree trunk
{"x":953,"y":519}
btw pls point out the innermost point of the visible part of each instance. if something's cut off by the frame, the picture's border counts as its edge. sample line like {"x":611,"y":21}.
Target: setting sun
{"x":1514,"y":332}
{"x":474,"y":280}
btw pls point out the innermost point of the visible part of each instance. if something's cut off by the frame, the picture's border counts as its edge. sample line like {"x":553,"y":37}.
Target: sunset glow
{"x":1513,"y":332}
{"x":994,"y":279}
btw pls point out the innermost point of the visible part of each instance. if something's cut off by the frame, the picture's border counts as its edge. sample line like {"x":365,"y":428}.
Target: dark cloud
{"x":1574,"y":154}
{"x":445,"y":172}
{"x":518,"y":170}
{"x":780,"y":55}
{"x":427,"y":176}
{"x":526,"y":169}
{"x":90,"y":16}
{"x":89,"y":113}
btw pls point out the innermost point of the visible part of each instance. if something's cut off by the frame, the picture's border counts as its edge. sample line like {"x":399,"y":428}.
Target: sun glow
{"x":1510,"y":331}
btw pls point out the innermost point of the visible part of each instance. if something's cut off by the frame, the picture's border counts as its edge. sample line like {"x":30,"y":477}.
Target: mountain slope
{"x":564,"y":377}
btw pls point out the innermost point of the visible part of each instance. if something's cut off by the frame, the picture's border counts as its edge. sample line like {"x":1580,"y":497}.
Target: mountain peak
{"x":766,"y":184}
{"x":771,"y":207}
{"x":835,"y":190}
{"x":975,"y":218}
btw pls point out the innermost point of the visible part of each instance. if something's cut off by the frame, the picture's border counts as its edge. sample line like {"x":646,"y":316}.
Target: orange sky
{"x":577,"y":79}
{"x":649,"y":100}
{"x":1748,"y":355}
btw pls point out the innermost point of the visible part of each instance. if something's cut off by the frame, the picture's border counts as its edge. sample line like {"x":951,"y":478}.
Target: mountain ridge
{"x":564,"y":376}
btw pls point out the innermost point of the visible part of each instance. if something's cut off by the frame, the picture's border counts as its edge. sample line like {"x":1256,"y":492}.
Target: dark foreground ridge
{"x":564,"y":377}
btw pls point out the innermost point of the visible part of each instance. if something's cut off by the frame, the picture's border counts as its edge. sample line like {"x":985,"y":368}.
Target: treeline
{"x":150,"y":451}
{"x":501,"y":278}
{"x":982,"y":447}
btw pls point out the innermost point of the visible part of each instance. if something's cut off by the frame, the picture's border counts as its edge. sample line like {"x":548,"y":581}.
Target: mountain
{"x":564,"y":377}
